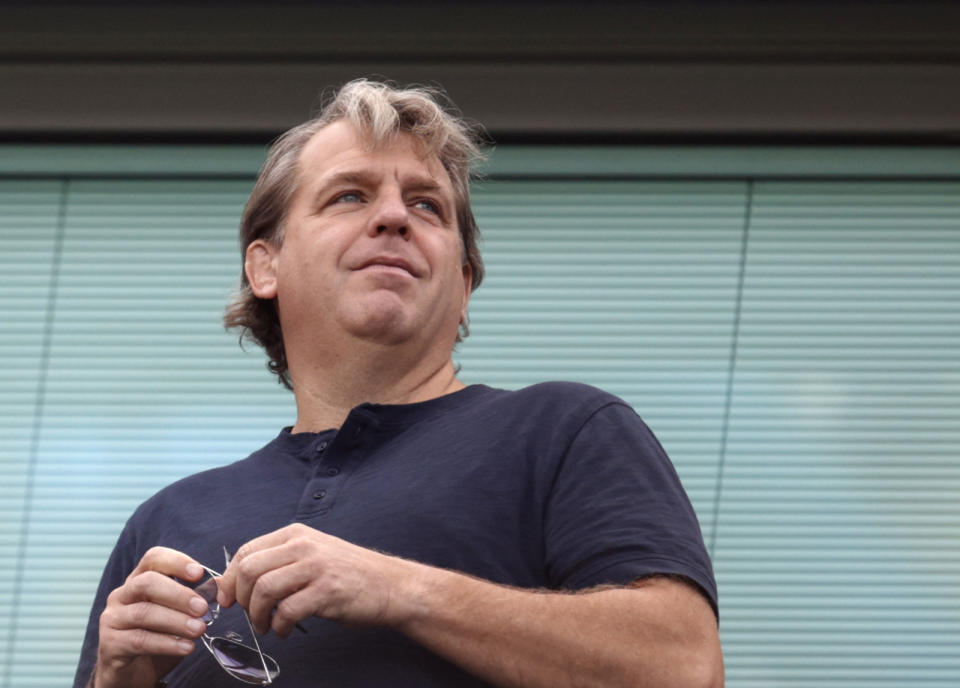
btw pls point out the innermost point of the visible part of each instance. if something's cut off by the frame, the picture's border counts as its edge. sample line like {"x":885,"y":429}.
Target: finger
{"x":140,"y":642}
{"x":271,"y":589}
{"x":169,"y":562}
{"x":159,"y":589}
{"x":152,"y":618}
{"x":256,"y":565}
{"x":228,"y":582}
{"x":291,"y":609}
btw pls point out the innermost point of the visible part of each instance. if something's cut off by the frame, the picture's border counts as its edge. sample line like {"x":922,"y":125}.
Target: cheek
{"x":298,"y":276}
{"x":313,"y":254}
{"x":446,"y":253}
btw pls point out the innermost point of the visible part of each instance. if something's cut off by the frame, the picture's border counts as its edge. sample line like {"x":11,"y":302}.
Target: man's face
{"x":371,"y":246}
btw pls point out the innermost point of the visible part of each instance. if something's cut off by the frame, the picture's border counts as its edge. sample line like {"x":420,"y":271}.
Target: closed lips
{"x":390,"y":263}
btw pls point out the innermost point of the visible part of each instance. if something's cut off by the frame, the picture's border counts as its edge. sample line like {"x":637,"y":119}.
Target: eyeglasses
{"x":245,"y":663}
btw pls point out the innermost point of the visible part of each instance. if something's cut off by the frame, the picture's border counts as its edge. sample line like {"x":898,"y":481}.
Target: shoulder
{"x":558,"y":395}
{"x":546,"y":418}
{"x":558,"y":402}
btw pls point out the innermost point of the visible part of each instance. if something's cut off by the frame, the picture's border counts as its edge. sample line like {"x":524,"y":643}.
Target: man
{"x":420,"y":532}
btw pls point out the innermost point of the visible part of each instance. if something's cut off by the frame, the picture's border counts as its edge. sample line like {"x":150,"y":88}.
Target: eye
{"x":348,"y":197}
{"x":428,"y":205}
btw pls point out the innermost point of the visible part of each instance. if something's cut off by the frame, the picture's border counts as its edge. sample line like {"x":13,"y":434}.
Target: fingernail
{"x":185,"y":646}
{"x":194,"y":570}
{"x":198,"y":605}
{"x":196,"y":625}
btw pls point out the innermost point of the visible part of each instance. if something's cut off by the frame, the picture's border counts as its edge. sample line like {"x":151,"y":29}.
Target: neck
{"x":326,"y":391}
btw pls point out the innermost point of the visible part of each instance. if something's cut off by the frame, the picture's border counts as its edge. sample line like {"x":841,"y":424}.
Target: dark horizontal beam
{"x":372,"y":31}
{"x":526,"y":70}
{"x":510,"y":99}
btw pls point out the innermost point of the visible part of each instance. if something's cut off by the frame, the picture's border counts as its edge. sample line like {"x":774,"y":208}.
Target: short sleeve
{"x":617,"y":511}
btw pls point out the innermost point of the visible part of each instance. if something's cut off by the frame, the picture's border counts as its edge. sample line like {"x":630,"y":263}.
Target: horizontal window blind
{"x":627,"y":285}
{"x":140,"y":387}
{"x":30,"y":226}
{"x":838,"y":541}
{"x":794,"y":344}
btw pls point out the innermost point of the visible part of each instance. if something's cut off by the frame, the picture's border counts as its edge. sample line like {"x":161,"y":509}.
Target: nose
{"x":390,"y":215}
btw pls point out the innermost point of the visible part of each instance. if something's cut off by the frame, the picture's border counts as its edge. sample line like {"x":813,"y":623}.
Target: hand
{"x":297,"y":572}
{"x":149,"y":622}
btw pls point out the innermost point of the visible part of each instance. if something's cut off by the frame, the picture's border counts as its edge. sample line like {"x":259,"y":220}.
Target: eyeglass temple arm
{"x":263,"y":660}
{"x":253,"y":634}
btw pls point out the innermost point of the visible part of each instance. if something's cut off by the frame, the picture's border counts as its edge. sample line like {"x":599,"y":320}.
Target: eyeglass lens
{"x":243,"y":662}
{"x":240,"y":661}
{"x":207,"y":589}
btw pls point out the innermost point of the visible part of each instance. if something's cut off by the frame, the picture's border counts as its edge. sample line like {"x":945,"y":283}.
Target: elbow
{"x":711,"y":677}
{"x":690,"y":665}
{"x":699,"y":667}
{"x":705,"y":669}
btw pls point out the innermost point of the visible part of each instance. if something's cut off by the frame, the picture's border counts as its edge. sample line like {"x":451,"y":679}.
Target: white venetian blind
{"x":838,"y":541}
{"x":627,"y":285}
{"x":29,"y":232}
{"x":139,"y":386}
{"x":794,"y":344}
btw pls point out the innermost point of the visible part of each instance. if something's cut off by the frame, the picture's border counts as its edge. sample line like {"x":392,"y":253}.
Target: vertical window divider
{"x":39,"y":400}
{"x":731,"y":369}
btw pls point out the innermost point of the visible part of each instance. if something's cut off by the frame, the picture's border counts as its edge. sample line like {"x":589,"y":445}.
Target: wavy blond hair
{"x":380,"y":111}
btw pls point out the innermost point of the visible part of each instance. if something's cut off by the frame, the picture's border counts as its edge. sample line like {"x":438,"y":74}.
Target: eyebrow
{"x":418,"y":182}
{"x":358,"y":177}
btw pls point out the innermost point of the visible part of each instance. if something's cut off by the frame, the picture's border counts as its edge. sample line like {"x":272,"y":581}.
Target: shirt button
{"x":332,"y":471}
{"x":321,"y":447}
{"x":319,"y":494}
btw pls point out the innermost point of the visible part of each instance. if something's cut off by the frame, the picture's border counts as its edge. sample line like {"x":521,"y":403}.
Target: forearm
{"x":660,"y":634}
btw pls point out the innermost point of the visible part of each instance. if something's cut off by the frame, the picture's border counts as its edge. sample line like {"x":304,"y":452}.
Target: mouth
{"x":391,"y":263}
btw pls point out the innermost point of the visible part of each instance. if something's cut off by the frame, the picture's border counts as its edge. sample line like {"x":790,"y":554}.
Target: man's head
{"x":382,"y":116}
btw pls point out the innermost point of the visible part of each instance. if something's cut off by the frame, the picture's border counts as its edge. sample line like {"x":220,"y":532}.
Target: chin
{"x":383,"y":326}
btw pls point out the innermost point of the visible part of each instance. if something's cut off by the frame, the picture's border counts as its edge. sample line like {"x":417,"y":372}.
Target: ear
{"x":467,"y":289}
{"x":260,"y":266}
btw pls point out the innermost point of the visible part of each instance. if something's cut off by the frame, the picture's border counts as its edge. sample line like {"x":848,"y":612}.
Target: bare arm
{"x":659,"y":632}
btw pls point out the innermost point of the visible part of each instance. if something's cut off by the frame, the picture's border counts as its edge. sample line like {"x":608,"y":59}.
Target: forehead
{"x":339,"y":147}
